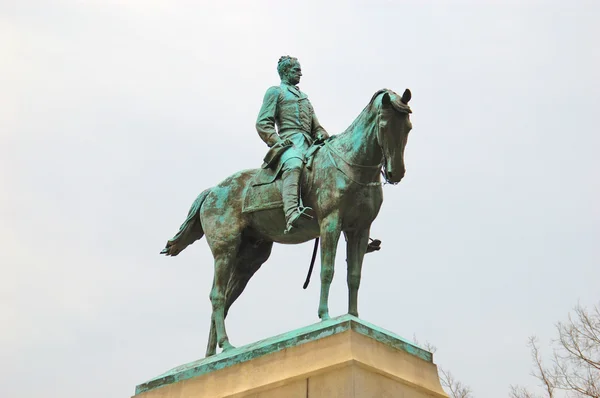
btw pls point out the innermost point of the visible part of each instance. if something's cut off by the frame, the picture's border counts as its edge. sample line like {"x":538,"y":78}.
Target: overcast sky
{"x":114,"y":115}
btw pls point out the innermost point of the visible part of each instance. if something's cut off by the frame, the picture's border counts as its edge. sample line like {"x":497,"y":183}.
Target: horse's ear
{"x":386,"y":101}
{"x":406,"y":96}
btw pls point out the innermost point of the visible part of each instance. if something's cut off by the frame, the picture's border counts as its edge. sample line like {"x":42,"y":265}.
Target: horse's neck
{"x":358,"y":143}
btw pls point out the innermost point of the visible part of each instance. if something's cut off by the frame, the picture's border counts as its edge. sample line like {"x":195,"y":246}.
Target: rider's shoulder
{"x":274,"y":90}
{"x":272,"y":93}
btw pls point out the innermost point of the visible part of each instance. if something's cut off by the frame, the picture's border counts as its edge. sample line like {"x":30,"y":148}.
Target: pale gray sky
{"x":114,"y":115}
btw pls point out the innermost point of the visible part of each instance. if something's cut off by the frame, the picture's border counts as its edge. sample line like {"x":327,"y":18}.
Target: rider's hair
{"x":284,"y":64}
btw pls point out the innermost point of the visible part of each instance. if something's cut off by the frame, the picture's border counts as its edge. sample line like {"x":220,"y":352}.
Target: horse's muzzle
{"x":394,"y":177}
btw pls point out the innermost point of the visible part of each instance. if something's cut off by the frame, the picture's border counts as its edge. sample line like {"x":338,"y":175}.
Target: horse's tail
{"x":190,"y":231}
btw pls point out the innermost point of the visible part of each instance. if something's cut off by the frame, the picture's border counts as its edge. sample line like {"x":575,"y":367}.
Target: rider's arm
{"x":317,"y":130}
{"x":265,"y":123}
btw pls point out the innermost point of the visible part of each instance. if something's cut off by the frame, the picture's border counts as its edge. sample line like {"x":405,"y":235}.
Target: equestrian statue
{"x":310,"y":186}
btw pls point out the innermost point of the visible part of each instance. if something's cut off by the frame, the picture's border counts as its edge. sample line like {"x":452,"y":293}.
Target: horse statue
{"x":341,"y":183}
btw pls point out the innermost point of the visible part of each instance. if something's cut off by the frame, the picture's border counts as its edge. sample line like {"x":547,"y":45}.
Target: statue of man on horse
{"x":242,"y":216}
{"x":288,"y":108}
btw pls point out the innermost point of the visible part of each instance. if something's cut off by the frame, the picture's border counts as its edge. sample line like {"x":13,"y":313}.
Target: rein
{"x":382,"y":166}
{"x":384,"y":163}
{"x":334,"y":151}
{"x":369,"y":166}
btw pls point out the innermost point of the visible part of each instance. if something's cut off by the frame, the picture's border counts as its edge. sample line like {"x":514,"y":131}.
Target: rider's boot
{"x":374,"y":245}
{"x":290,"y":193}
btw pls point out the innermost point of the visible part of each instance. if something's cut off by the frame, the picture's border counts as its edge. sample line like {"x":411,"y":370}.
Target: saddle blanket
{"x":264,"y":190}
{"x":265,"y":196}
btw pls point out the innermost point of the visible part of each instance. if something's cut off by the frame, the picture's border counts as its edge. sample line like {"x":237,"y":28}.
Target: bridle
{"x":382,"y":166}
{"x":405,"y":110}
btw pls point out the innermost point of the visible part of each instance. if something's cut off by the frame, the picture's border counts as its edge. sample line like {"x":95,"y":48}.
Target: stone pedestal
{"x":343,"y":357}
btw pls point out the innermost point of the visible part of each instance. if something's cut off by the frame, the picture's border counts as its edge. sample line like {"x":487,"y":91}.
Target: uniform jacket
{"x":288,"y":108}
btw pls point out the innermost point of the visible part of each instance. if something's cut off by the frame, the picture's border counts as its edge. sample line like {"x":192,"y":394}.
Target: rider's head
{"x":289,"y":70}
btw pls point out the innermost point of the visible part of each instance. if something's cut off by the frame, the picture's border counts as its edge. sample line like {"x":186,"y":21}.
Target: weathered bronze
{"x":340,"y":185}
{"x":298,"y":128}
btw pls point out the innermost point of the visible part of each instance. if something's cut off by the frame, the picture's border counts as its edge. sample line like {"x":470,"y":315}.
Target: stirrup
{"x":299,"y":212}
{"x":374,"y":245}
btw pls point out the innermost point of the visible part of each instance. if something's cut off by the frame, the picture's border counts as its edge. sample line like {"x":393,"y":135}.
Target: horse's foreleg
{"x":356,"y":246}
{"x":330,"y":234}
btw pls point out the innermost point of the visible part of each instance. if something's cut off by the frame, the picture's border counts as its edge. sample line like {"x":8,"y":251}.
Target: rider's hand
{"x":286,"y":142}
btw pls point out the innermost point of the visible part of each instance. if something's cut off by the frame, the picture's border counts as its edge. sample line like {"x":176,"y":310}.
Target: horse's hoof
{"x":226,"y":346}
{"x":353,"y":313}
{"x":324,"y":317}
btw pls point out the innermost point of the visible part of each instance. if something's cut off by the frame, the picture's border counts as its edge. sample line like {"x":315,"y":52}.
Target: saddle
{"x":264,"y":190}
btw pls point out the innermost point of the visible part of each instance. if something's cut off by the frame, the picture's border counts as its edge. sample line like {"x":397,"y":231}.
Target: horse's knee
{"x":217,"y":299}
{"x":353,"y":281}
{"x":327,"y":275}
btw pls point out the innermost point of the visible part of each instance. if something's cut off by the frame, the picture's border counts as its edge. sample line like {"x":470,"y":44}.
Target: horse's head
{"x":394,"y":126}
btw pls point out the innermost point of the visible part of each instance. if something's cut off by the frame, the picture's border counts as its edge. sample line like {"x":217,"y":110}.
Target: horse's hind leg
{"x":250,"y":258}
{"x":225,"y":259}
{"x":252,"y":255}
{"x":211,"y":347}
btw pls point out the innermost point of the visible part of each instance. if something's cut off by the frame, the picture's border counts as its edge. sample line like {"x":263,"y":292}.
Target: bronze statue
{"x":297,"y":129}
{"x":242,"y":216}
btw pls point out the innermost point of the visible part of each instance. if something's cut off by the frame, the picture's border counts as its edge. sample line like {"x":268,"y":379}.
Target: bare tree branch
{"x":540,"y":372}
{"x":427,"y":345}
{"x":576,"y":358}
{"x":455,"y":387}
{"x":520,"y":392}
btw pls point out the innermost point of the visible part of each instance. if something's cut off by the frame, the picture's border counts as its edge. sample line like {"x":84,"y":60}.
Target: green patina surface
{"x":277,"y":343}
{"x":337,"y":190}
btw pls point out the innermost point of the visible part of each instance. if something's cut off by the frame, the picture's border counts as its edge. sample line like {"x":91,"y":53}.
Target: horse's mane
{"x":400,"y":107}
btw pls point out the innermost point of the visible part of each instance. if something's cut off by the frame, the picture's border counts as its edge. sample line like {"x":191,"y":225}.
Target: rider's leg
{"x":290,"y":192}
